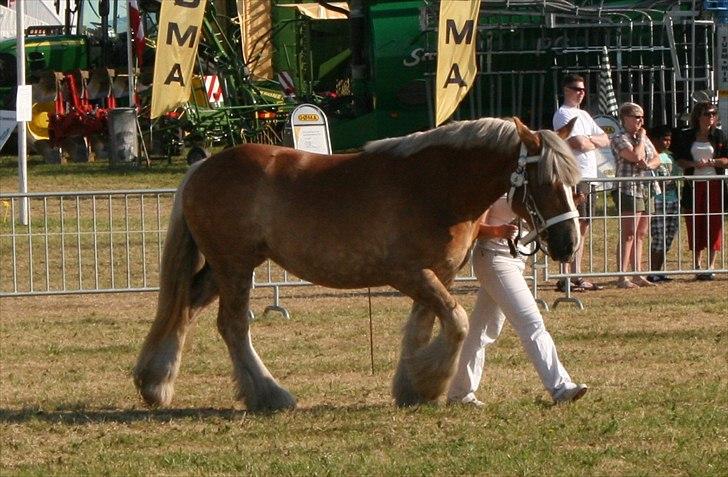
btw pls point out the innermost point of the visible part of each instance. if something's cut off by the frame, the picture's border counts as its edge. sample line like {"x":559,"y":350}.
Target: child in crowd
{"x":665,"y":220}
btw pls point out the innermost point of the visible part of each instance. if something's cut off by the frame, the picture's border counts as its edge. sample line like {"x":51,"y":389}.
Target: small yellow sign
{"x":308,"y":117}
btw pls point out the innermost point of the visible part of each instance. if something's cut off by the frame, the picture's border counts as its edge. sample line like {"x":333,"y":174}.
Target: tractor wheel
{"x":197,"y":153}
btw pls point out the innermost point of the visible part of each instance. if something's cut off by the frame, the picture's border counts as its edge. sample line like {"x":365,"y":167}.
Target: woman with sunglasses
{"x":702,"y":150}
{"x":636,"y":157}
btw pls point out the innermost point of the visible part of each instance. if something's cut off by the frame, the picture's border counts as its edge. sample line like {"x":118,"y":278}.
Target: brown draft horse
{"x":403,"y":212}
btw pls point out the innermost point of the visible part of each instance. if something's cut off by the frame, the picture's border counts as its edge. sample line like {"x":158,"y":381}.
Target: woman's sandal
{"x":585,"y":285}
{"x":626,"y":284}
{"x":639,"y":281}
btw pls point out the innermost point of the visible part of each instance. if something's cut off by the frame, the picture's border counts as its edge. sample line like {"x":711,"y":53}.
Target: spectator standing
{"x":504,"y":294}
{"x":586,"y":137}
{"x":665,"y":222}
{"x":702,"y":151}
{"x":635,"y":155}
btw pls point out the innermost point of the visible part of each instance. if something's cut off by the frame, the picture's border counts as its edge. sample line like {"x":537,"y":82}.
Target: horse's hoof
{"x":158,"y":395}
{"x":411,"y":401}
{"x":275,"y":399}
{"x":403,"y":391}
{"x":154,"y":395}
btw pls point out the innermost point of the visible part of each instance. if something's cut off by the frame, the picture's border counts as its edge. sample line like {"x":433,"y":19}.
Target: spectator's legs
{"x":658,"y":234}
{"x":715,"y":212}
{"x":664,"y":227}
{"x":576,"y":263}
{"x":643,"y":225}
{"x":657,"y":259}
{"x":625,"y":247}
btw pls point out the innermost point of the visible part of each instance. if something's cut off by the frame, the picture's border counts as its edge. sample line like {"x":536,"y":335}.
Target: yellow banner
{"x":456,"y":65}
{"x":180,"y":22}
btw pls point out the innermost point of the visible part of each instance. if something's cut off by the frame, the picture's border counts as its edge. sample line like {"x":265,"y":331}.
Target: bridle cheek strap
{"x":531,"y":236}
{"x":519,"y":177}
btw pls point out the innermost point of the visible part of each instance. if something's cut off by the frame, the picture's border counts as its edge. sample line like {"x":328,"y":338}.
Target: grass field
{"x":89,"y":176}
{"x":655,"y":361}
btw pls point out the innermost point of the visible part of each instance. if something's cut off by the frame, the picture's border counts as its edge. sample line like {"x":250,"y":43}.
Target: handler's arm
{"x":503,"y":231}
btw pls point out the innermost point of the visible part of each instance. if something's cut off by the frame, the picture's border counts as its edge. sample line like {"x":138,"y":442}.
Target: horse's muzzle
{"x":562,"y":241}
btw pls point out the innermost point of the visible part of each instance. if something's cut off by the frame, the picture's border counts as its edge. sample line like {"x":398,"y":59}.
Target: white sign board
{"x":722,"y":71}
{"x":24,"y":102}
{"x":310,"y":129}
{"x":7,"y":124}
{"x":606,"y":163}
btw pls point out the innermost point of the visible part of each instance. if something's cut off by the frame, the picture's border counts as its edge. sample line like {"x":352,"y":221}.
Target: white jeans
{"x":503,"y":294}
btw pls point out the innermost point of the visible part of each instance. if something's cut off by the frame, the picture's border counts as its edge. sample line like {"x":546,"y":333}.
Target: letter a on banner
{"x":456,"y":66}
{"x":180,"y":23}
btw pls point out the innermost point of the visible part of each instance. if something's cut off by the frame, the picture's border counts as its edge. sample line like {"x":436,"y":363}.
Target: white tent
{"x":37,"y":12}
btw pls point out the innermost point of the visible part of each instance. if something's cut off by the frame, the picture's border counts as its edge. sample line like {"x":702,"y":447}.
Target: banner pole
{"x":129,"y":57}
{"x":22,"y":132}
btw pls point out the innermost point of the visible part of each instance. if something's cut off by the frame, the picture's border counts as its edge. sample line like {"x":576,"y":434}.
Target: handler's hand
{"x":507,"y":231}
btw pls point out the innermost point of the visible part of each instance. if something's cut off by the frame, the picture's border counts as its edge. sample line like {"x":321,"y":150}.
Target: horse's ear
{"x":528,"y":138}
{"x":565,"y":130}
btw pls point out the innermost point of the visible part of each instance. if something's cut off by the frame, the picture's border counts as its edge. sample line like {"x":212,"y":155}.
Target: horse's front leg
{"x":257,"y":388}
{"x":425,"y":366}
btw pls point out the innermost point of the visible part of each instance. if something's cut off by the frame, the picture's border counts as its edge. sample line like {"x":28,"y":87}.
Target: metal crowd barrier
{"x":100,"y":242}
{"x":604,"y":239}
{"x":112,"y":241}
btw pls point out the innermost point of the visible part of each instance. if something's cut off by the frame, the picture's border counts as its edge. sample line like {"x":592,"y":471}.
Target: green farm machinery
{"x":370,"y":64}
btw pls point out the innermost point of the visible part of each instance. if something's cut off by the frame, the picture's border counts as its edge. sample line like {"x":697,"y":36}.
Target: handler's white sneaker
{"x":570,"y":392}
{"x":469,"y":401}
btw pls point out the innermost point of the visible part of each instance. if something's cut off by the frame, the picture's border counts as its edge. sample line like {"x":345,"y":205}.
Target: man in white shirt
{"x":586,"y":137}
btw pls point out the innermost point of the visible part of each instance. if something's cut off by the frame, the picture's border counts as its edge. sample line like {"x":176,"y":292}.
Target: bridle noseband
{"x":519,"y":179}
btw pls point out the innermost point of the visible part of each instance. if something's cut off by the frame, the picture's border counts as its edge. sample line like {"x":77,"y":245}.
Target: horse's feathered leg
{"x":417,"y":333}
{"x":256,"y":386}
{"x":425,"y":368}
{"x":186,"y":286}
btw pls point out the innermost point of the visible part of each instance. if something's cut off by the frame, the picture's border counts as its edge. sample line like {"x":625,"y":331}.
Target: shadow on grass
{"x":76,"y":415}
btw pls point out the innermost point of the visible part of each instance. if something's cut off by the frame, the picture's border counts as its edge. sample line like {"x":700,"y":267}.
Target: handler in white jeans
{"x":503,"y":294}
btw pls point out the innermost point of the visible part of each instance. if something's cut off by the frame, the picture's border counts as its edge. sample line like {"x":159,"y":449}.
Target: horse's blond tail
{"x":185,"y":286}
{"x":180,"y":261}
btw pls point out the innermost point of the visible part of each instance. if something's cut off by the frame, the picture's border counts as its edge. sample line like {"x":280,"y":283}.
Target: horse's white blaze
{"x":572,"y":207}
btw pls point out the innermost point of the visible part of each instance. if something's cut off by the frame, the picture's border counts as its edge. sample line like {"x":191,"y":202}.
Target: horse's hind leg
{"x":158,"y":363}
{"x":256,"y":386}
{"x":425,"y":367}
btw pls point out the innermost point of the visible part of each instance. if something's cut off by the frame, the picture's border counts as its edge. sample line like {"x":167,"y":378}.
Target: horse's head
{"x":541,"y":190}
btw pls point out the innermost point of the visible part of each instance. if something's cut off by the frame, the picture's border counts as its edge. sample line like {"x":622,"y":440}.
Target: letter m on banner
{"x":456,"y":65}
{"x":180,"y":22}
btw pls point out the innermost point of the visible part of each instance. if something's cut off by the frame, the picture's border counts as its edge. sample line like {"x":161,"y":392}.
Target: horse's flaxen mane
{"x":557,"y":162}
{"x":497,"y":133}
{"x":556,"y":165}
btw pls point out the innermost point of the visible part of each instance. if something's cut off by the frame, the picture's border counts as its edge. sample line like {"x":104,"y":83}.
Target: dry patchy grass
{"x":655,"y":360}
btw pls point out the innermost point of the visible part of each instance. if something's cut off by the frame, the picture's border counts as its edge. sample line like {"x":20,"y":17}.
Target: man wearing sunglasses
{"x":586,"y":137}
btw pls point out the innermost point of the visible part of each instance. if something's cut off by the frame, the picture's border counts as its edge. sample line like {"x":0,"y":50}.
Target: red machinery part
{"x":81,"y":118}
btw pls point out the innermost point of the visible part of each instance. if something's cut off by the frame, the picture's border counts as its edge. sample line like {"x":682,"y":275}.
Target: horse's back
{"x":338,"y":220}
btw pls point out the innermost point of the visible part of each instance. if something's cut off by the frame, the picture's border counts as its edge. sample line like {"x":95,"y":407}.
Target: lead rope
{"x":513,"y":243}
